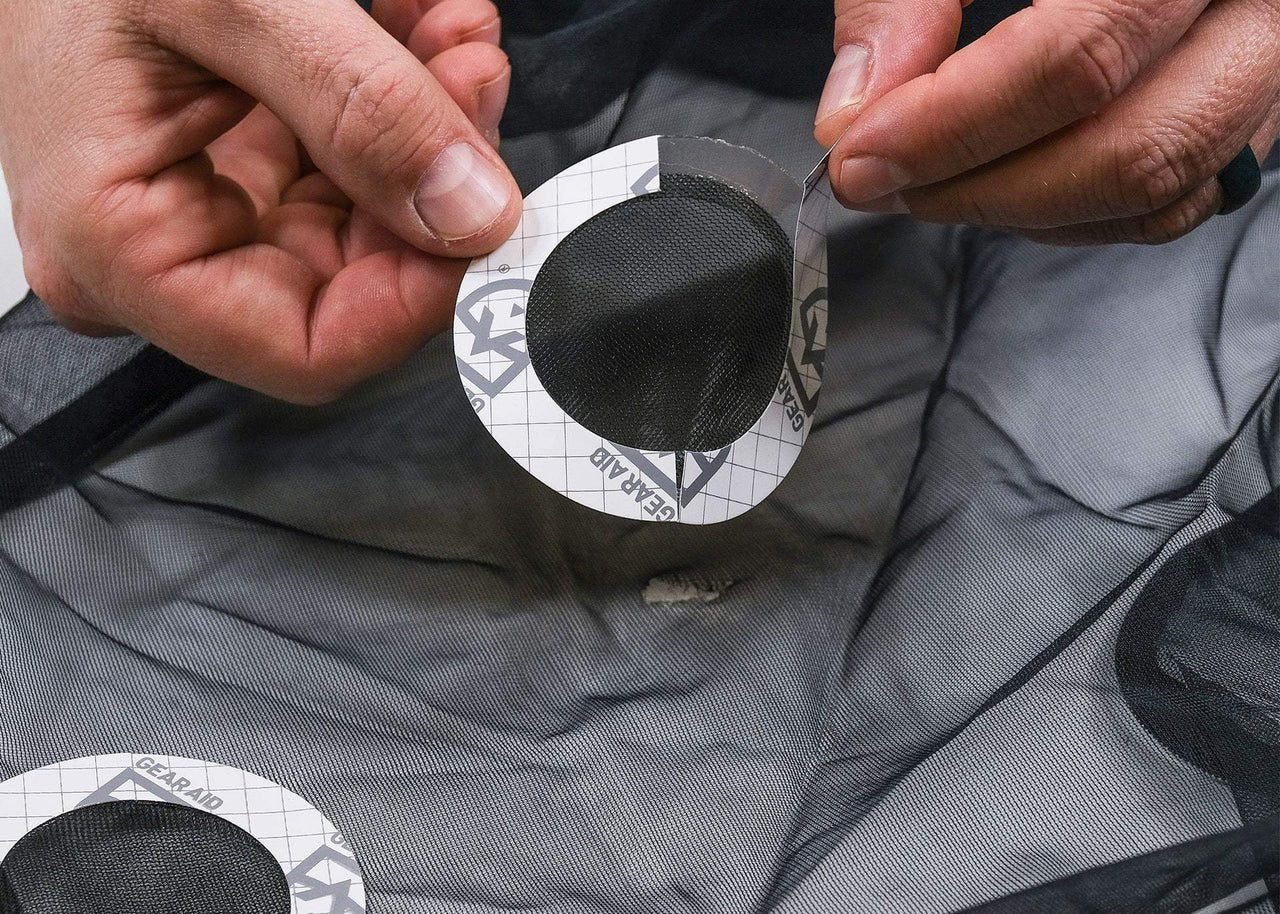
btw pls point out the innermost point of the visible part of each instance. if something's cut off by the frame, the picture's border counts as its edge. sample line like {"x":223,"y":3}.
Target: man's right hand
{"x":1071,"y":121}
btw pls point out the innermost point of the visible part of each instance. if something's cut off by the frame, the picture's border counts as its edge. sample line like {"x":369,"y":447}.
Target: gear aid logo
{"x":167,"y":787}
{"x":806,"y":376}
{"x":644,"y":184}
{"x":508,"y":354}
{"x":696,"y":470}
{"x":326,"y":874}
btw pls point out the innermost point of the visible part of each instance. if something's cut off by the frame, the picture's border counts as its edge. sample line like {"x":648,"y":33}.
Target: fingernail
{"x":847,"y":82}
{"x":891,"y":203}
{"x":492,"y":103}
{"x":489,"y":33}
{"x":462,"y":193}
{"x":865,"y":178}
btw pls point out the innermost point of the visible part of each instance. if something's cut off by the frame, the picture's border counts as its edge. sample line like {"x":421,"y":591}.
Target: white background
{"x":12,"y":285}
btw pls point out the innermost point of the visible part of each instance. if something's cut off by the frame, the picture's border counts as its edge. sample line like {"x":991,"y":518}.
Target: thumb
{"x":881,"y":44}
{"x":370,"y":115}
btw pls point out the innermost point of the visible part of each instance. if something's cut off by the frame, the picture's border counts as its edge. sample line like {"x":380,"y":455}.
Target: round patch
{"x":170,"y":822}
{"x":139,"y":855}
{"x":1197,"y":655}
{"x":650,"y":341}
{"x":636,"y":339}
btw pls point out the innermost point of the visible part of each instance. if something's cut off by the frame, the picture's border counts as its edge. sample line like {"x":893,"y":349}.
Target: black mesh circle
{"x":1197,"y":654}
{"x":662,"y":322}
{"x":141,"y":856}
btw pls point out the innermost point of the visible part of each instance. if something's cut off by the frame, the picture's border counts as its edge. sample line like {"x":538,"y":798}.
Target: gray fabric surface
{"x":371,"y":604}
{"x":42,"y":367}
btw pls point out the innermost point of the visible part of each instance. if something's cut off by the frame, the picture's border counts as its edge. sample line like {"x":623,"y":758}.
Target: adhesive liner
{"x":322,"y":873}
{"x":689,"y":486}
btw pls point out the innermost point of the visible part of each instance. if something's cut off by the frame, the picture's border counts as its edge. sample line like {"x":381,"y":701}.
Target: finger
{"x":1264,"y":141}
{"x":475,"y":76}
{"x":312,"y":232}
{"x":478,"y":78}
{"x":363,"y":235}
{"x":1167,"y":224}
{"x":260,"y":154}
{"x":181,"y":214}
{"x":179,"y":265}
{"x":453,"y":22}
{"x":315,"y":221}
{"x":1179,"y":125}
{"x":881,"y":44}
{"x":316,"y":188}
{"x":186,"y":109}
{"x":370,"y":115}
{"x":157,"y":117}
{"x":399,"y":17}
{"x":1039,"y":70}
{"x":325,"y":237}
{"x":257,"y":316}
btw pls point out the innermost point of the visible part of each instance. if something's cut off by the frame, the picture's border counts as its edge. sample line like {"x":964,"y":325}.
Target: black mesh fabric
{"x":141,"y":857}
{"x":662,"y":322}
{"x":891,"y":687}
{"x":1188,"y":878}
{"x":1197,"y":656}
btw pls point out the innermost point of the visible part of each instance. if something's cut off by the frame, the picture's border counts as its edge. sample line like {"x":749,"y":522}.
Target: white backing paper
{"x":509,"y":398}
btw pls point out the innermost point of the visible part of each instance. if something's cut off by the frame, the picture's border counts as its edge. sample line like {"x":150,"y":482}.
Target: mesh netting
{"x":141,"y":856}
{"x":894,"y":686}
{"x":662,"y":322}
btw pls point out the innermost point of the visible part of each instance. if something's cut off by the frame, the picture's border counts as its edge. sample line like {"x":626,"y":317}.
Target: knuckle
{"x":1089,"y":64}
{"x":1175,"y":221}
{"x":858,"y":21}
{"x":1162,"y":168}
{"x":381,"y":114}
{"x":854,"y":20}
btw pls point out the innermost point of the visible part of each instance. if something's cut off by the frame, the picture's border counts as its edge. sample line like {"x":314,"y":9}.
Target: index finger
{"x":399,"y":17}
{"x":1039,"y":70}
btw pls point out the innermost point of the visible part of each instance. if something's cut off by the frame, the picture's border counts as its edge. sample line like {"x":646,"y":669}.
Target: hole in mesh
{"x":135,"y":855}
{"x":662,"y":323}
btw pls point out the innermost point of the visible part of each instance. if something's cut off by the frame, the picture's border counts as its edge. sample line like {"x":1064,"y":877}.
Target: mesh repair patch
{"x":312,"y":869}
{"x":138,"y":855}
{"x":650,"y":341}
{"x":634,"y":337}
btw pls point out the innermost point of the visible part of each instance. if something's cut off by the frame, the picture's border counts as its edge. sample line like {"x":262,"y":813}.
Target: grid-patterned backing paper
{"x":509,"y":398}
{"x":323,"y":875}
{"x":755,"y":464}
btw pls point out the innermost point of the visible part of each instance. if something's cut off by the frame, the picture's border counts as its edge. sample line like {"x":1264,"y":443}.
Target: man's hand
{"x":276,"y":191}
{"x":1073,"y":121}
